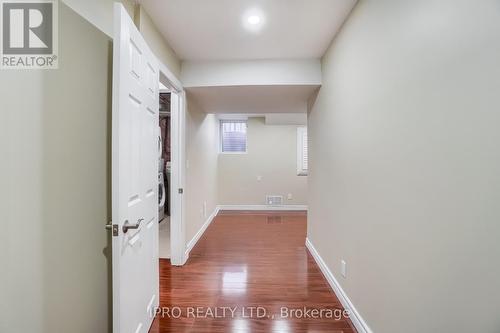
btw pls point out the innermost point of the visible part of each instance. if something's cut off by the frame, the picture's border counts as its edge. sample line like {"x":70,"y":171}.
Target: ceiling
{"x":253,"y":99}
{"x":214,"y":29}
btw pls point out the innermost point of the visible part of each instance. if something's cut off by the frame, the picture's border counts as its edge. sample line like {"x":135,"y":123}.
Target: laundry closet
{"x":164,"y":169}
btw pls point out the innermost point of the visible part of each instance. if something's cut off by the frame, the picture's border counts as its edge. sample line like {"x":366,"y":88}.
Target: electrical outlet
{"x":289,"y":196}
{"x":204,"y":209}
{"x":259,"y":178}
{"x":343,"y":268}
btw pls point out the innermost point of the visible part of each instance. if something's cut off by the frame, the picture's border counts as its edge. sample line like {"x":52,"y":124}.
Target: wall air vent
{"x":274,"y":200}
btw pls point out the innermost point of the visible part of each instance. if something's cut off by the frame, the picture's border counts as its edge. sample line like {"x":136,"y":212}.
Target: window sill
{"x":233,"y":153}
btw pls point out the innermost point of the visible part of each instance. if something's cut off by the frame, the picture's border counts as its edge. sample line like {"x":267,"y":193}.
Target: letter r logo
{"x":27,"y":27}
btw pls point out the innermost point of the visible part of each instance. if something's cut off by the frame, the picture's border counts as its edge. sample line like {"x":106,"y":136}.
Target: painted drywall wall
{"x":404,"y":179}
{"x":286,"y":119}
{"x":251,"y":72}
{"x":268,"y":167}
{"x":100,"y":14}
{"x":201,"y":163}
{"x":55,"y":187}
{"x":156,"y":42}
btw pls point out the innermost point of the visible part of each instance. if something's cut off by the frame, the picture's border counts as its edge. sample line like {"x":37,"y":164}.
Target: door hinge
{"x":181,"y":190}
{"x":114,"y":228}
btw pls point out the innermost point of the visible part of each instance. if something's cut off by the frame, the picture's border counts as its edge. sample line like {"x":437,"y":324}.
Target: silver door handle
{"x":127,"y":226}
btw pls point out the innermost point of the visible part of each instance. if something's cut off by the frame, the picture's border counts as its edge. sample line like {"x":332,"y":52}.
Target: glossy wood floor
{"x":245,"y":260}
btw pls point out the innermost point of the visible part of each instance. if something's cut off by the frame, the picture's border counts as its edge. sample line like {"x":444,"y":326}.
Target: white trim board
{"x":355,"y":316}
{"x":200,"y":232}
{"x":262,"y":207}
{"x":178,"y":153}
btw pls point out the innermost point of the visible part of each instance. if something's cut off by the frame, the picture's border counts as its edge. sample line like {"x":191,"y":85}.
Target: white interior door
{"x":134,"y":178}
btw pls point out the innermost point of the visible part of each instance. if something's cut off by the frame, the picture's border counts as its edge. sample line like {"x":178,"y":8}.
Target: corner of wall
{"x":156,"y":41}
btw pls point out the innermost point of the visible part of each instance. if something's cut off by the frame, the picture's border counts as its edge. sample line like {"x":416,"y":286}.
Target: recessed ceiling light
{"x":254,"y":19}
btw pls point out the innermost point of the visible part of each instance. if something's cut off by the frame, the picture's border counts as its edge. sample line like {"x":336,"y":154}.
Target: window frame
{"x":300,"y":149}
{"x":221,"y":122}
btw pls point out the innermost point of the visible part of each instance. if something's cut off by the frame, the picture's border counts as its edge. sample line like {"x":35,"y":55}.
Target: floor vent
{"x":274,"y":200}
{"x":274,"y":220}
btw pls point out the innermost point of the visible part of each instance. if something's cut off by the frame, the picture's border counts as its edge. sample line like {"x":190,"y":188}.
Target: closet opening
{"x":164,"y":172}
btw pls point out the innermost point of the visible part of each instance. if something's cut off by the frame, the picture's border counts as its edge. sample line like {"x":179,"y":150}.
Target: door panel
{"x":135,"y":178}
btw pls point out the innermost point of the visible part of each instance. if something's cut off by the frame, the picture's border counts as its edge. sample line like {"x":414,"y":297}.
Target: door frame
{"x":178,"y":162}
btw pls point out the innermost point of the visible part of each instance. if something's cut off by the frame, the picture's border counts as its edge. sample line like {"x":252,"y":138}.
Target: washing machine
{"x":167,"y":187}
{"x":162,"y":196}
{"x":161,"y":164}
{"x":161,"y":180}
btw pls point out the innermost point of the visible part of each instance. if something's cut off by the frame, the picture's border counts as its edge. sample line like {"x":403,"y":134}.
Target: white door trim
{"x":178,"y":156}
{"x":173,"y":82}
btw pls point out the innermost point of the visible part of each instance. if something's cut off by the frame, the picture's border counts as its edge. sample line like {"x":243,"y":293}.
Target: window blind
{"x":233,"y":136}
{"x":302,"y":152}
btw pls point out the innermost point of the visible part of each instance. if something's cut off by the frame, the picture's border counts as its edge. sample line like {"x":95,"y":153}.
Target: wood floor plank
{"x":243,"y":261}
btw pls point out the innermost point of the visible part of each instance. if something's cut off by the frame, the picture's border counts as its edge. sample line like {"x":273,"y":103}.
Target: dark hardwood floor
{"x":247,"y":260}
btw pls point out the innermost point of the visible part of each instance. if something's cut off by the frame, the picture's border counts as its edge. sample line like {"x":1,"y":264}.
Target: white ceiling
{"x":213,"y":29}
{"x":253,"y":99}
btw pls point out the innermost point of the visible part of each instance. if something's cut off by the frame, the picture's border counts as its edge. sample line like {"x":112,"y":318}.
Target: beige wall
{"x":404,"y":164}
{"x":156,"y":42}
{"x":55,"y":187}
{"x":100,"y":13}
{"x":271,"y":154}
{"x":55,"y":180}
{"x":201,"y":174}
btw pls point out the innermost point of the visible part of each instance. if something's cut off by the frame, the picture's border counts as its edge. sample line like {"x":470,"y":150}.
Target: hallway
{"x":245,"y":260}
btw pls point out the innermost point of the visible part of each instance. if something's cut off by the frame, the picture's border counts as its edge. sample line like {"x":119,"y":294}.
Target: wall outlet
{"x":259,"y":178}
{"x":187,"y":164}
{"x":289,"y":196}
{"x":205,"y":209}
{"x":343,"y":268}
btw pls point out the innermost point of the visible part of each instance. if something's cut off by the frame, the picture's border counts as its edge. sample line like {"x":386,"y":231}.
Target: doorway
{"x":171,"y":167}
{"x":164,"y":172}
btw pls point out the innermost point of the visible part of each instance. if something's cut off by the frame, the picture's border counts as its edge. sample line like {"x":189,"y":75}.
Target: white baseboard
{"x":262,"y":207}
{"x":355,"y":317}
{"x":200,"y":232}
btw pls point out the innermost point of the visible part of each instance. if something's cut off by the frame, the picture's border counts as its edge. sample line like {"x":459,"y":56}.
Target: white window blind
{"x":233,"y":135}
{"x":302,"y":151}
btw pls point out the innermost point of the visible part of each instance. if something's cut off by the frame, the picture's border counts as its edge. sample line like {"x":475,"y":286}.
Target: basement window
{"x":233,"y":136}
{"x":302,"y":152}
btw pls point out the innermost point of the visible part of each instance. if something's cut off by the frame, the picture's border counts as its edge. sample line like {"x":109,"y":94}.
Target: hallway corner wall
{"x":160,"y":47}
{"x":404,"y":179}
{"x":100,"y":14}
{"x":201,"y":171}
